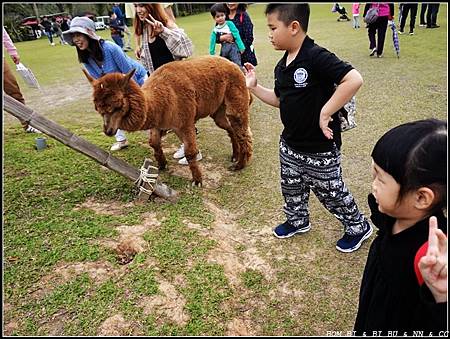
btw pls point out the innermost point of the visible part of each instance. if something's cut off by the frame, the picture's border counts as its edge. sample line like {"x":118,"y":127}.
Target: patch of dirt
{"x":104,"y":208}
{"x":212,"y":174}
{"x":7,"y":307}
{"x":170,"y":304}
{"x":10,"y":327}
{"x":59,"y":95}
{"x":237,"y":252}
{"x":55,"y":325}
{"x":128,"y":244}
{"x":130,"y":241}
{"x":114,"y":326}
{"x":47,"y":100}
{"x":230,"y":237}
{"x":240,"y":327}
{"x":98,"y":272}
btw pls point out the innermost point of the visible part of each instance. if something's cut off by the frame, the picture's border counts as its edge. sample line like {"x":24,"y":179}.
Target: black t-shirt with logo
{"x":303,"y":87}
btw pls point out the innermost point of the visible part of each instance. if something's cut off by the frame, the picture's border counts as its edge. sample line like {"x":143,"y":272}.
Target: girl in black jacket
{"x":409,"y":195}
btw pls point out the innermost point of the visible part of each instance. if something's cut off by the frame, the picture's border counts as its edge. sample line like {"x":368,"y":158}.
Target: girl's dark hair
{"x":220,"y":8}
{"x":288,"y":13}
{"x":415,"y":155}
{"x":94,"y":50}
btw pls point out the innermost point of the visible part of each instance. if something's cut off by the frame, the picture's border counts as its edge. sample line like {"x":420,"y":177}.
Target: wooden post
{"x":63,"y":135}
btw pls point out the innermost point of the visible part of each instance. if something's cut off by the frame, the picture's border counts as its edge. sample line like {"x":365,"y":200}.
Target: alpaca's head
{"x":112,"y":98}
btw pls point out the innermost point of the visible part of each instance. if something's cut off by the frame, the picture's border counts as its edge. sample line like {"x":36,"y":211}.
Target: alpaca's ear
{"x":88,"y":76}
{"x":127,"y":77}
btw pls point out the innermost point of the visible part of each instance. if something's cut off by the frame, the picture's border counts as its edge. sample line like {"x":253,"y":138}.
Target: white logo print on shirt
{"x":300,"y":77}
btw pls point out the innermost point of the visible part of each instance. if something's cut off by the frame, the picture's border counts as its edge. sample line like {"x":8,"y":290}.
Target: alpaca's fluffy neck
{"x":138,"y":117}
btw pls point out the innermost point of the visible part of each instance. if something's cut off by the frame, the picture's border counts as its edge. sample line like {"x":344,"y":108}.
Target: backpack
{"x":347,"y":115}
{"x":371,"y":15}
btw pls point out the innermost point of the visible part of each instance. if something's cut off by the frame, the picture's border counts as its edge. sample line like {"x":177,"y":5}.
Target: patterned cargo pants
{"x":321,"y":173}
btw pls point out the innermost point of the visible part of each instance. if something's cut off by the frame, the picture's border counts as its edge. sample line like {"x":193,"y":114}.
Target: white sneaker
{"x":179,"y":153}
{"x":53,"y":44}
{"x":184,"y":161}
{"x":31,"y":129}
{"x":117,"y":146}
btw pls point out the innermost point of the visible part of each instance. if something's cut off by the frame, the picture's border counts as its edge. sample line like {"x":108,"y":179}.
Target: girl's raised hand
{"x":157,"y":26}
{"x":433,"y":265}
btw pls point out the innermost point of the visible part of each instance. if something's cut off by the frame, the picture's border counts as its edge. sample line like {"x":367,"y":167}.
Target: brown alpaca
{"x":174,"y":97}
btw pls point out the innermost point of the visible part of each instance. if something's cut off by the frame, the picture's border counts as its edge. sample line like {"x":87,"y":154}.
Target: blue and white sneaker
{"x":286,"y":230}
{"x":349,"y":243}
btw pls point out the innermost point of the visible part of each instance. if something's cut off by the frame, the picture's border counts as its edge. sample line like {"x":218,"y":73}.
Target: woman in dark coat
{"x":241,"y":19}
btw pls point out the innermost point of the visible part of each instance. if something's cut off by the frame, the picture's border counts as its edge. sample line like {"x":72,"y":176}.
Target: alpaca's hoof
{"x":162,"y":167}
{"x":236,"y":167}
{"x":233,"y":158}
{"x":196,"y":184}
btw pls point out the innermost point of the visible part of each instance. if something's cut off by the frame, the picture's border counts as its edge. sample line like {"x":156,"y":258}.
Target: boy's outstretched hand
{"x":250,"y":75}
{"x":433,"y":265}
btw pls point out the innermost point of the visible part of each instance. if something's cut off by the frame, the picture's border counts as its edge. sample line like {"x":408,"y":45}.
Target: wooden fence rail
{"x":69,"y":139}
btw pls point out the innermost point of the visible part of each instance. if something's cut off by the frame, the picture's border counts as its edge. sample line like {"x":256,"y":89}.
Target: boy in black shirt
{"x":305,"y":80}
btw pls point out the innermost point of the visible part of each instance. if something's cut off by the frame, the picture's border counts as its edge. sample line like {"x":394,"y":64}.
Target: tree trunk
{"x":60,"y":7}
{"x":36,"y":12}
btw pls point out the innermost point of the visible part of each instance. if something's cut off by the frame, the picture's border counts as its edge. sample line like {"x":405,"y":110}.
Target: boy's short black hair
{"x":288,"y":13}
{"x":219,"y":8}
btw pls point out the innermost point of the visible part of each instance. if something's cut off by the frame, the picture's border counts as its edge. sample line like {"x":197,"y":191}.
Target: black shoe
{"x":286,"y":230}
{"x":435,"y":26}
{"x":372,"y":53}
{"x":349,"y":243}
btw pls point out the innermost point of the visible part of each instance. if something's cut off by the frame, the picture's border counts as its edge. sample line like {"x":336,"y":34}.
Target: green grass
{"x":311,"y":289}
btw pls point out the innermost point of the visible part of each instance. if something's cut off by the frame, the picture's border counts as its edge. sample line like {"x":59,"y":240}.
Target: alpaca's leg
{"x":155,"y":142}
{"x":190,"y":152}
{"x":238,"y":116}
{"x":221,"y":120}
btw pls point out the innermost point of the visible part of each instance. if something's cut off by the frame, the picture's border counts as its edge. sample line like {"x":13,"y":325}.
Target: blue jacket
{"x":115,"y":60}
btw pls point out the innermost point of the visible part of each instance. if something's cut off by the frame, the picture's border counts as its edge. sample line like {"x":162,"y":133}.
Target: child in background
{"x":230,"y":50}
{"x":310,"y":143}
{"x":355,"y":11}
{"x":409,"y":171}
